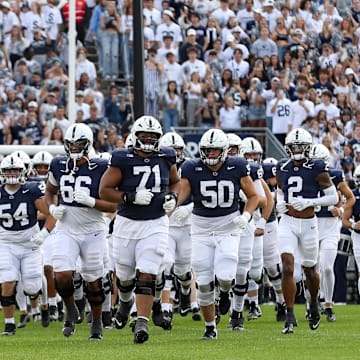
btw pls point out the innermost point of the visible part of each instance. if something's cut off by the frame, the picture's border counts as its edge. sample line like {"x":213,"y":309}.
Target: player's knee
{"x":32,"y":287}
{"x":97,"y":290}
{"x":273,"y":272}
{"x":309,"y":272}
{"x":287,"y":266}
{"x":206,"y":294}
{"x":145,"y":284}
{"x":8,"y":300}
{"x":126,"y":288}
{"x":168,"y":282}
{"x":64,"y":285}
{"x":185,"y":279}
{"x":226,"y":285}
{"x":241,"y":290}
{"x":160,"y":282}
{"x":256,"y":275}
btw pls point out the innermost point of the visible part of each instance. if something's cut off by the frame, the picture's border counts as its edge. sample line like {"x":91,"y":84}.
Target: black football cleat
{"x":68,"y":328}
{"x":10,"y":329}
{"x":122,"y":314}
{"x":280,"y":312}
{"x":224,"y":302}
{"x":210,"y":333}
{"x":330,"y":315}
{"x":141,"y":331}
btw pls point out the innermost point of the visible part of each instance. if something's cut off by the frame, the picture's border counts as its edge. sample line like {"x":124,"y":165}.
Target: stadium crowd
{"x":209,"y":63}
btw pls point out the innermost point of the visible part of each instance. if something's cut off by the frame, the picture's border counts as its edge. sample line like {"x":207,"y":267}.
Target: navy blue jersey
{"x":40,"y":180}
{"x":85,"y":177}
{"x":270,"y":172}
{"x":140,"y":173}
{"x":256,"y":173}
{"x":18,"y":211}
{"x":189,"y":199}
{"x":356,"y":207}
{"x":300,"y":181}
{"x":215,"y":193}
{"x":337,"y":176}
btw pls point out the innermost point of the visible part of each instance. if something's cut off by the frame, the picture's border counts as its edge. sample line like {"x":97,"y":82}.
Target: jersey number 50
{"x":220,"y":193}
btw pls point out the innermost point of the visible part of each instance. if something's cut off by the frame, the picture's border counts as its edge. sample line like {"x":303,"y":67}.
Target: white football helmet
{"x":39,"y":159}
{"x":320,"y":152}
{"x":270,"y":160}
{"x":78,"y":140}
{"x":104,"y":155}
{"x":12,"y":162}
{"x":128,"y":141}
{"x":146,"y":124}
{"x":298,"y":144}
{"x":25,"y":159}
{"x":251,"y":149}
{"x":357,"y":176}
{"x":213,"y":139}
{"x":234,"y":143}
{"x":174,"y":140}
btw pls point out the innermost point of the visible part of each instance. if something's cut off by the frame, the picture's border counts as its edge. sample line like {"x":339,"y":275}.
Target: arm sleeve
{"x":330,"y":197}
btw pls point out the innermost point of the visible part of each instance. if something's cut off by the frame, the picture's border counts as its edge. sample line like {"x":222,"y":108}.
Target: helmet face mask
{"x":78,"y":140}
{"x":146,"y":134}
{"x":41,"y":162}
{"x":174,"y":140}
{"x":251,"y":150}
{"x":12,"y":170}
{"x":298,"y":144}
{"x":213,"y":139}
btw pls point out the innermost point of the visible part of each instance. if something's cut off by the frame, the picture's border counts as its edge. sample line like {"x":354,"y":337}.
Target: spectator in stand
{"x":239,"y":67}
{"x":168,"y":26}
{"x":8,"y":20}
{"x":271,"y":14}
{"x":264,"y":46}
{"x":229,"y":115}
{"x":126,"y":40}
{"x":171,"y":106}
{"x":96,"y":31}
{"x":201,"y":33}
{"x":112,"y":107}
{"x":152,"y":82}
{"x":210,"y":111}
{"x":280,"y":36}
{"x":97,"y":127}
{"x":172,"y":70}
{"x":194,"y":90}
{"x":193,"y":64}
{"x":332,"y":111}
{"x":301,"y":109}
{"x":81,"y":105}
{"x":190,"y":43}
{"x":166,"y":48}
{"x":80,"y":10}
{"x":31,"y":20}
{"x":56,"y":137}
{"x":83,"y":65}
{"x":257,"y":110}
{"x":246,"y":14}
{"x":47,"y":108}
{"x":323,"y":83}
{"x":22,"y":75}
{"x":223,"y":13}
{"x":59,"y":120}
{"x":110,"y":24}
{"x":53,"y":21}
{"x":152,"y":14}
{"x":15,"y":44}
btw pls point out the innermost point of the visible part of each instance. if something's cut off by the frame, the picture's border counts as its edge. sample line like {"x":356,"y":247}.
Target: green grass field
{"x":262,"y":339}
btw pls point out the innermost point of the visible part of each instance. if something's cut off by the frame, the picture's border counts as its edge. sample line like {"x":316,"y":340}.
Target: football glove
{"x":82,"y":197}
{"x":261,"y":224}
{"x":141,"y":197}
{"x":170,"y":202}
{"x":181,"y":213}
{"x":281,"y":207}
{"x":301,"y":204}
{"x":242,"y":220}
{"x":39,"y":238}
{"x":57,"y":212}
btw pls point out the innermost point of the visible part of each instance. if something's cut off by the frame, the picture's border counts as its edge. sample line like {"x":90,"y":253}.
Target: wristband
{"x":129,"y":197}
{"x":246,"y":215}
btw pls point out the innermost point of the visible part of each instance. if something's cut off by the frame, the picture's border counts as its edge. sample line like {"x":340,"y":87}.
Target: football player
{"x":272,"y":261}
{"x":299,"y":181}
{"x":329,"y":230}
{"x":351,"y":221}
{"x":246,"y":246}
{"x":80,"y":228}
{"x":252,"y":152}
{"x":143,"y":179}
{"x":178,"y":252}
{"x":20,"y":238}
{"x":214,"y":181}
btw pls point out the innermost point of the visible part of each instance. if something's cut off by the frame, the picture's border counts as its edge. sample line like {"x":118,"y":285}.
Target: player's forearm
{"x":330,"y":197}
{"x":252,"y":203}
{"x":105,"y":206}
{"x":111,"y":195}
